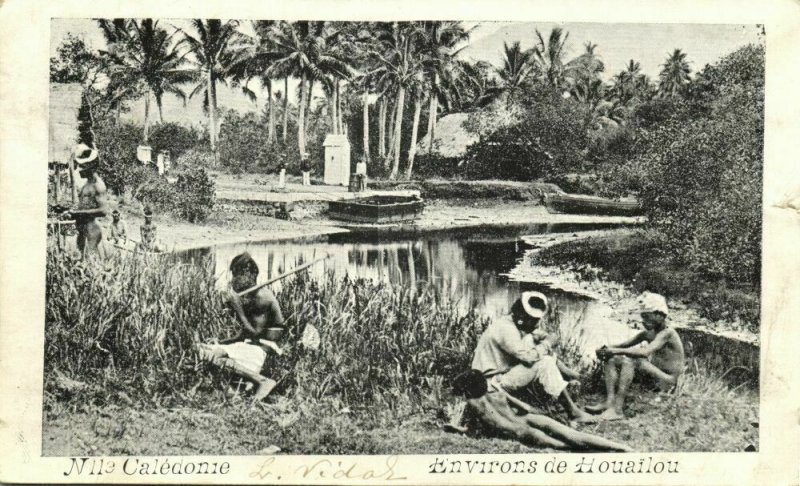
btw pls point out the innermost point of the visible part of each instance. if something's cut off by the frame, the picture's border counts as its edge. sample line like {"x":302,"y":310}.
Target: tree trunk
{"x":398,"y":125}
{"x":413,"y":149}
{"x":339,"y":127}
{"x":301,"y":129}
{"x":392,"y":132}
{"x":334,"y":107}
{"x":285,"y":107}
{"x":160,"y":110}
{"x":366,"y":126}
{"x":271,"y":107}
{"x":382,"y":128}
{"x":146,"y":134}
{"x":432,"y":120}
{"x":309,"y":95}
{"x":212,"y":115}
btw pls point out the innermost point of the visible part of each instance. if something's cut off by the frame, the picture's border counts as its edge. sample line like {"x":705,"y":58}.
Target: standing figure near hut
{"x":261,"y":321}
{"x":91,"y":201}
{"x":516,"y":355}
{"x":148,"y":233}
{"x":118,"y":232}
{"x":282,"y":173}
{"x":658,"y":364}
{"x":305,"y":166}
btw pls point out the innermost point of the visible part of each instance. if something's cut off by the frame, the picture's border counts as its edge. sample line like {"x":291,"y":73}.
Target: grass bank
{"x":637,"y":258}
{"x":122,"y":375}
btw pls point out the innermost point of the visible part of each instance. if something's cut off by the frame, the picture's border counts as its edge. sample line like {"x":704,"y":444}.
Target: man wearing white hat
{"x":91,"y":201}
{"x":514,"y":355}
{"x":660,"y":362}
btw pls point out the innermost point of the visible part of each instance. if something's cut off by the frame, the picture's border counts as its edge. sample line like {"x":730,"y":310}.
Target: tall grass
{"x":133,"y":321}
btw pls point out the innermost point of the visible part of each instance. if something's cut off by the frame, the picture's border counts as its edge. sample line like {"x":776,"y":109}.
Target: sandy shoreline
{"x":230,"y":227}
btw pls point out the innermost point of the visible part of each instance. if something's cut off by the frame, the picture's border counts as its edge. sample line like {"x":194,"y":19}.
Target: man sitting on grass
{"x":516,"y":361}
{"x":257,"y":312}
{"x":659,"y":363}
{"x":505,"y":415}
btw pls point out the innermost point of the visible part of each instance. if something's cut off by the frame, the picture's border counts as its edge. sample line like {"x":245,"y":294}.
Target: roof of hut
{"x":65,"y":102}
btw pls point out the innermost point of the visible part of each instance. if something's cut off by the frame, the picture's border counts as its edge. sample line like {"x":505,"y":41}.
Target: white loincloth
{"x":248,"y":356}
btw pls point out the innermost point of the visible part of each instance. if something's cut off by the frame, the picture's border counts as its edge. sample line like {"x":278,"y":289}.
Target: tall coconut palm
{"x":254,"y":57}
{"x":442,"y":40}
{"x":400,"y":62}
{"x":211,"y":43}
{"x":306,"y":51}
{"x":674,"y":74}
{"x":549,"y":56}
{"x":147,"y":58}
{"x":584,"y":71}
{"x":516,"y":71}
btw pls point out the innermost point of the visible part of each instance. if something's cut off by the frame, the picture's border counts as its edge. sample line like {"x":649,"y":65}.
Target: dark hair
{"x":244,"y":263}
{"x":470,"y":384}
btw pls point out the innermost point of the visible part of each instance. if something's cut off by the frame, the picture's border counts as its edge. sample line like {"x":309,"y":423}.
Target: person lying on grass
{"x":658,"y":364}
{"x":504,"y":415}
{"x":520,"y":355}
{"x":259,"y":316}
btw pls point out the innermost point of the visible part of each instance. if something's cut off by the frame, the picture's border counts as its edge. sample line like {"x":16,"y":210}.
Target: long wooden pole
{"x":282,"y":276}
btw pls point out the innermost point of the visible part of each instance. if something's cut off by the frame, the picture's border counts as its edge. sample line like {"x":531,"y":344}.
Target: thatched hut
{"x":65,"y":102}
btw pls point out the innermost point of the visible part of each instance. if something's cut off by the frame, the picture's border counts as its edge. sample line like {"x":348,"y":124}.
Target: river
{"x":468,"y":265}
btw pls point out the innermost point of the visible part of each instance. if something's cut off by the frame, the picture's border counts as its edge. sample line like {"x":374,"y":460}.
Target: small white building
{"x":337,"y":160}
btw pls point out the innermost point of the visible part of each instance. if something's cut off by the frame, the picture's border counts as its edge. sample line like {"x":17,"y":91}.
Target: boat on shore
{"x":564,"y":203}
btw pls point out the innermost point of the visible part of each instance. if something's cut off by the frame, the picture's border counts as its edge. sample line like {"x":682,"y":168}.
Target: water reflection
{"x":469,"y":267}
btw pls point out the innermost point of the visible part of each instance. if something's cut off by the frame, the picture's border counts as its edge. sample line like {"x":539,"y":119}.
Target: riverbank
{"x":570,"y":263}
{"x":309,"y":220}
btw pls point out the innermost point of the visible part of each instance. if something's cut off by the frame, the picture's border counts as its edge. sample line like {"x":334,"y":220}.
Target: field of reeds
{"x":132,"y":322}
{"x":122,"y":375}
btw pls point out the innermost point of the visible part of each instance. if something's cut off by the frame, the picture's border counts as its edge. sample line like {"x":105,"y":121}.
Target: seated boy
{"x":256,"y":311}
{"x":502,"y":414}
{"x":660,"y":361}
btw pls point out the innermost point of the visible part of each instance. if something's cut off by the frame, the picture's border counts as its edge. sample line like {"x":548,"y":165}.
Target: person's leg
{"x":218,"y":356}
{"x":548,"y":374}
{"x":573,"y":438}
{"x":626,"y":372}
{"x":664,"y":380}
{"x":93,"y":237}
{"x":567,"y":372}
{"x":611,"y":377}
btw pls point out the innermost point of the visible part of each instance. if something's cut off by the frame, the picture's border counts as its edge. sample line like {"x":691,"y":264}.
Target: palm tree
{"x":254,"y":57}
{"x":400,"y":64}
{"x":514,"y":75}
{"x":584,"y":71}
{"x":550,"y":57}
{"x":305,"y":50}
{"x":675,"y":74}
{"x":143,"y":56}
{"x":441,"y":41}
{"x":211,"y":44}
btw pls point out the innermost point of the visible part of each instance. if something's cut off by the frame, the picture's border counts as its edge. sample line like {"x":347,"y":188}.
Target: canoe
{"x":580,"y":204}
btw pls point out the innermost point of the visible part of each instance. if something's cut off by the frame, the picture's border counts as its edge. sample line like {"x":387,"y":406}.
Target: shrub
{"x":547,"y":140}
{"x":194,"y":195}
{"x":117,"y":146}
{"x":177,"y":139}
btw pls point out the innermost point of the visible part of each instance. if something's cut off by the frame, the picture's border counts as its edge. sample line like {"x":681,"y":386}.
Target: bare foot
{"x":611,"y":414}
{"x":585,"y":418}
{"x":597,"y":407}
{"x":263,"y":389}
{"x":457,"y":429}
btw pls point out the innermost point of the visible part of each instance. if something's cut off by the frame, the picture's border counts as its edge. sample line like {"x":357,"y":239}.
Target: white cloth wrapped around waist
{"x":246,"y":354}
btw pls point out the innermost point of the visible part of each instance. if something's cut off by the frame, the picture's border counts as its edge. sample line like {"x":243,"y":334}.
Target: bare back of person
{"x":667,"y":362}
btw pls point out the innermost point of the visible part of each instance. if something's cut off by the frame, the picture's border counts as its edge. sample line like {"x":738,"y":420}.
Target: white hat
{"x":83,"y":154}
{"x":534,"y":303}
{"x":650,"y":302}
